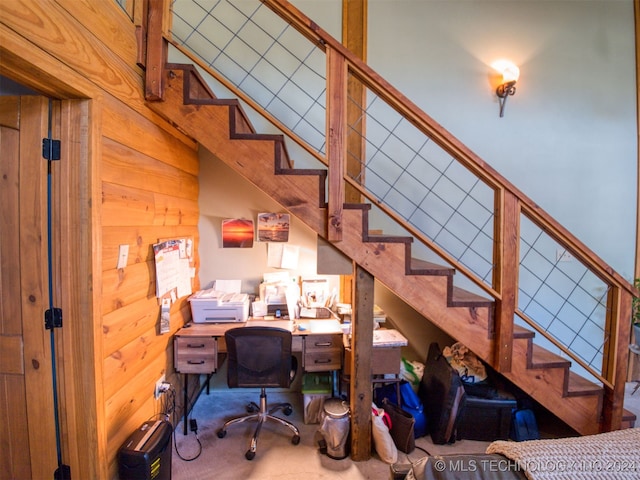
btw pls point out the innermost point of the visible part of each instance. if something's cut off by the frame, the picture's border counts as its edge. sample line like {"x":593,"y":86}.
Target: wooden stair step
{"x":540,"y":357}
{"x":522,"y":332}
{"x":579,"y":385}
{"x":381,"y":238}
{"x":422,"y":267}
{"x":464,"y":298}
{"x":628,"y":419}
{"x":195,"y":86}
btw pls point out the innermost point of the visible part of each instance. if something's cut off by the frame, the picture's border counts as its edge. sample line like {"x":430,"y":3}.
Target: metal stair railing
{"x":417,"y":174}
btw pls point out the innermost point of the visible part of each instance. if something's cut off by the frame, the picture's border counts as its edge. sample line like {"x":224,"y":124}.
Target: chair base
{"x":263,"y":414}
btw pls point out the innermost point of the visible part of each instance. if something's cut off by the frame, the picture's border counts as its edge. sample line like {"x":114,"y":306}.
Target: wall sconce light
{"x":510,"y":75}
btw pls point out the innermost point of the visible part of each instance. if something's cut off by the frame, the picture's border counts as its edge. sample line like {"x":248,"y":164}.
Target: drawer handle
{"x":328,"y":360}
{"x":192,"y":345}
{"x":194,"y":362}
{"x":322,"y":344}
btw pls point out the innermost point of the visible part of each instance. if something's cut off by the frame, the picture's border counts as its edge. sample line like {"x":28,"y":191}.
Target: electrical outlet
{"x":158,"y":390}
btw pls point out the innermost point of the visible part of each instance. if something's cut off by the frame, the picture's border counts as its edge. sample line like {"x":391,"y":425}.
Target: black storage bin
{"x":146,"y":455}
{"x":486,"y":419}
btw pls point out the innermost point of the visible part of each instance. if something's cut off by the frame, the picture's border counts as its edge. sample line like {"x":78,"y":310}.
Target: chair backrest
{"x":258,"y":357}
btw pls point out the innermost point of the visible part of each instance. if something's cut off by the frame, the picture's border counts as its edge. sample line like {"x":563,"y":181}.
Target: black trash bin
{"x":146,"y":455}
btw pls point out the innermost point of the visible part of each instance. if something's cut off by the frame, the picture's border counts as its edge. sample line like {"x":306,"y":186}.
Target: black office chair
{"x":260,"y":357}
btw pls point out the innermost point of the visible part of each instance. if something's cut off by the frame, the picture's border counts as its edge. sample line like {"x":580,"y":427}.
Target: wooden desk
{"x":385,"y":359}
{"x":196,"y":346}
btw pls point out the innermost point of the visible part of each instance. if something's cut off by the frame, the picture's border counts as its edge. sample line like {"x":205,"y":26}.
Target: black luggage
{"x":442,"y":394}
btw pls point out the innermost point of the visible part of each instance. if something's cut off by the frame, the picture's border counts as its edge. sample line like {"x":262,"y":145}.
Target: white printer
{"x":212,"y":306}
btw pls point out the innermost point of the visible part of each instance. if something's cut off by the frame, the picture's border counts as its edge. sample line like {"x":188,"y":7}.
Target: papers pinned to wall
{"x":173,"y":268}
{"x":283,"y":255}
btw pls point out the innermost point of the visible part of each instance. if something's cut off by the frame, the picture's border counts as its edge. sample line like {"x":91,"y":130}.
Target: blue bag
{"x":410,"y":403}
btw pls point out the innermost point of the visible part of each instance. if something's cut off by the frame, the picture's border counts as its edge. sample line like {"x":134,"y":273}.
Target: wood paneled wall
{"x":145,"y":176}
{"x":149,"y":191}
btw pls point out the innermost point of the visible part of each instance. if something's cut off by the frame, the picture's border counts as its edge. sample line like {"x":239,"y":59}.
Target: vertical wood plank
{"x":506,"y":276}
{"x":14,"y":437}
{"x":14,"y":459}
{"x":156,"y":51}
{"x":336,"y":140}
{"x":360,"y":393}
{"x":354,"y":37}
{"x":10,"y":315}
{"x":614,"y":366}
{"x":35,"y":298}
{"x":79,"y":347}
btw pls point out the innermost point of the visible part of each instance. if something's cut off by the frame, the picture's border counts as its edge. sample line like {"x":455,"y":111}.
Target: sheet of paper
{"x":283,"y":255}
{"x":228,"y":286}
{"x":290,"y":255}
{"x":173,"y":269}
{"x":167,"y":257}
{"x":184,"y":278}
{"x":388,"y":338}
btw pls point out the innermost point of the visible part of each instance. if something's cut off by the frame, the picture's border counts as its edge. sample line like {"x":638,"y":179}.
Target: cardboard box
{"x":384,"y":360}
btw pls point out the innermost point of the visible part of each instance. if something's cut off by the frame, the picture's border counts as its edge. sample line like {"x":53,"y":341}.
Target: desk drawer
{"x":195,"y":354}
{"x":322,"y":361}
{"x":313,"y":343}
{"x":322,"y":353}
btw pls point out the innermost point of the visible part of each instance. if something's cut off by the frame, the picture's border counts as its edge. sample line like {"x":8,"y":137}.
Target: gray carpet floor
{"x":277,"y":457}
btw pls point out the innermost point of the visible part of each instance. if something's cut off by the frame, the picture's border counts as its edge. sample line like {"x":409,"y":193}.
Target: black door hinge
{"x":53,"y":318}
{"x":50,"y":149}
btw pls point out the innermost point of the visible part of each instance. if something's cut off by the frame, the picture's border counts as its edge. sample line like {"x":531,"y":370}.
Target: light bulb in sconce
{"x":510,"y":75}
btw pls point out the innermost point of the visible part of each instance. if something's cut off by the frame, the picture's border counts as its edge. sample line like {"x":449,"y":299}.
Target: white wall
{"x":225,"y":194}
{"x":568,"y":137}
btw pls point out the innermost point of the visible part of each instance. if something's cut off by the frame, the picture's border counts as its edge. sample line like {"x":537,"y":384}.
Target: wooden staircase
{"x":222,"y":128}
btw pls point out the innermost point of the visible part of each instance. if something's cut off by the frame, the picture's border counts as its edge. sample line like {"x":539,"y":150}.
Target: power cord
{"x":400,"y":470}
{"x":170,"y":407}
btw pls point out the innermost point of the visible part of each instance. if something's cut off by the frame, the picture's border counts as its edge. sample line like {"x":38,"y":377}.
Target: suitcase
{"x":443,"y":396}
{"x":486,"y":419}
{"x":524,"y":425}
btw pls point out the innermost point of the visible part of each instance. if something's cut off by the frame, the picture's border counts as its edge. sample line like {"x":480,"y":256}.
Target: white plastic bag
{"x":382,"y":441}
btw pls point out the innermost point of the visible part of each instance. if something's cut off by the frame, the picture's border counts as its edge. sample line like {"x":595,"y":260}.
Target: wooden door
{"x":27,"y":429}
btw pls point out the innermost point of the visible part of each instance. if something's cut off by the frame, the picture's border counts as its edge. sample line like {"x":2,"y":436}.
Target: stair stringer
{"x":257,"y":158}
{"x":550,"y":386}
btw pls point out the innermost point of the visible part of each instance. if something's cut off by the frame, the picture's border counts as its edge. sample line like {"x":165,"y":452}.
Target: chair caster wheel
{"x":287,"y":410}
{"x":296,"y":439}
{"x":222,"y":433}
{"x":249,"y":455}
{"x":251,"y":408}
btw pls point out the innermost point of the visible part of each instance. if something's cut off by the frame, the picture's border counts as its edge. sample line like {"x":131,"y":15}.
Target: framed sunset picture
{"x":273,"y":227}
{"x":237,"y":233}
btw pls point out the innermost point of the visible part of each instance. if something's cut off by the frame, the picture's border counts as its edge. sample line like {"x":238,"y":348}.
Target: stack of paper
{"x":388,"y":338}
